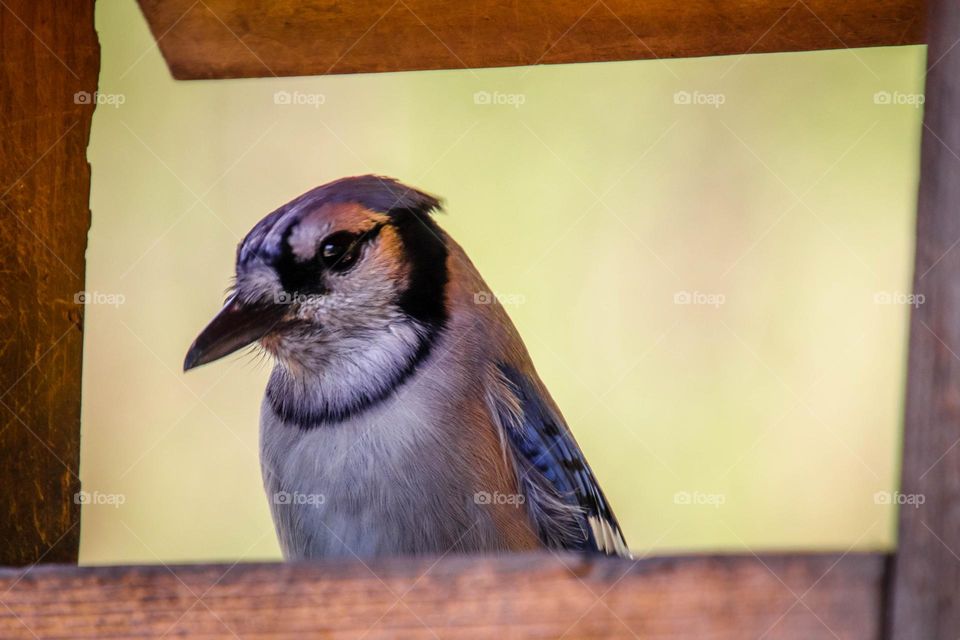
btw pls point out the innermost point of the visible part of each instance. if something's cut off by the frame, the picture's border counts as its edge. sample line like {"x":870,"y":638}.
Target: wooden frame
{"x":45,"y":215}
{"x":247,"y":38}
{"x":44,"y":204}
{"x":528,"y":595}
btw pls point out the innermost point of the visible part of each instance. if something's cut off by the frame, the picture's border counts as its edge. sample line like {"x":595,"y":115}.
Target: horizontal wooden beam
{"x":529,"y":595}
{"x":250,"y":38}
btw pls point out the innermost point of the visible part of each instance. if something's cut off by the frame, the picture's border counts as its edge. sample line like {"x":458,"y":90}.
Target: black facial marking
{"x":424,"y":298}
{"x":297,"y":277}
{"x":306,"y":277}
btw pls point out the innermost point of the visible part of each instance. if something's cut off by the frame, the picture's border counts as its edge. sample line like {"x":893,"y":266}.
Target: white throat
{"x":327,"y":378}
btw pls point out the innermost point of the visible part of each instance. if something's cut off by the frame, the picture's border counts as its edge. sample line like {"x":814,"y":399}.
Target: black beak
{"x":234,"y":327}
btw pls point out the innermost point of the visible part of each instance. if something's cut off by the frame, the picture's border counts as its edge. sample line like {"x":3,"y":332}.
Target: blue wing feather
{"x":564,"y":498}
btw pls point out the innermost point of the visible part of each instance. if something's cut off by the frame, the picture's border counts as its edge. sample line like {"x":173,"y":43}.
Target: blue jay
{"x":403,"y":414}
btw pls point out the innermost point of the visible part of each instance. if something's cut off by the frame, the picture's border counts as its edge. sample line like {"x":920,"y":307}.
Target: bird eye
{"x":339,"y":251}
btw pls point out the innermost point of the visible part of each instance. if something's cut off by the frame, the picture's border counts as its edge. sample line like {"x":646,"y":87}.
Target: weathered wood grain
{"x":530,"y":596}
{"x":50,"y":52}
{"x":926,"y":575}
{"x":249,"y":38}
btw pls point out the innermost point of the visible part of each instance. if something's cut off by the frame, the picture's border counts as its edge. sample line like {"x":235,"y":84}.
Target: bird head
{"x":344,"y":284}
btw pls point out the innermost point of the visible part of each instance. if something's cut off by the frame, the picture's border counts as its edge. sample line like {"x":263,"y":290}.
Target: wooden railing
{"x":50,"y":53}
{"x":525,"y":595}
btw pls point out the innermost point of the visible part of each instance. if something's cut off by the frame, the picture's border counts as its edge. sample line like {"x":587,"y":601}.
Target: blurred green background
{"x":707,"y":258}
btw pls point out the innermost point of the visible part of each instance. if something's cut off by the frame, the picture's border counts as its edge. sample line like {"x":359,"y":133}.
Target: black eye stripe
{"x":299,"y":276}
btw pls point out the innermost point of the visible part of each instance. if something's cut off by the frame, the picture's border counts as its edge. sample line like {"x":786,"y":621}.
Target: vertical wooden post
{"x":925,"y":601}
{"x":48,"y":80}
